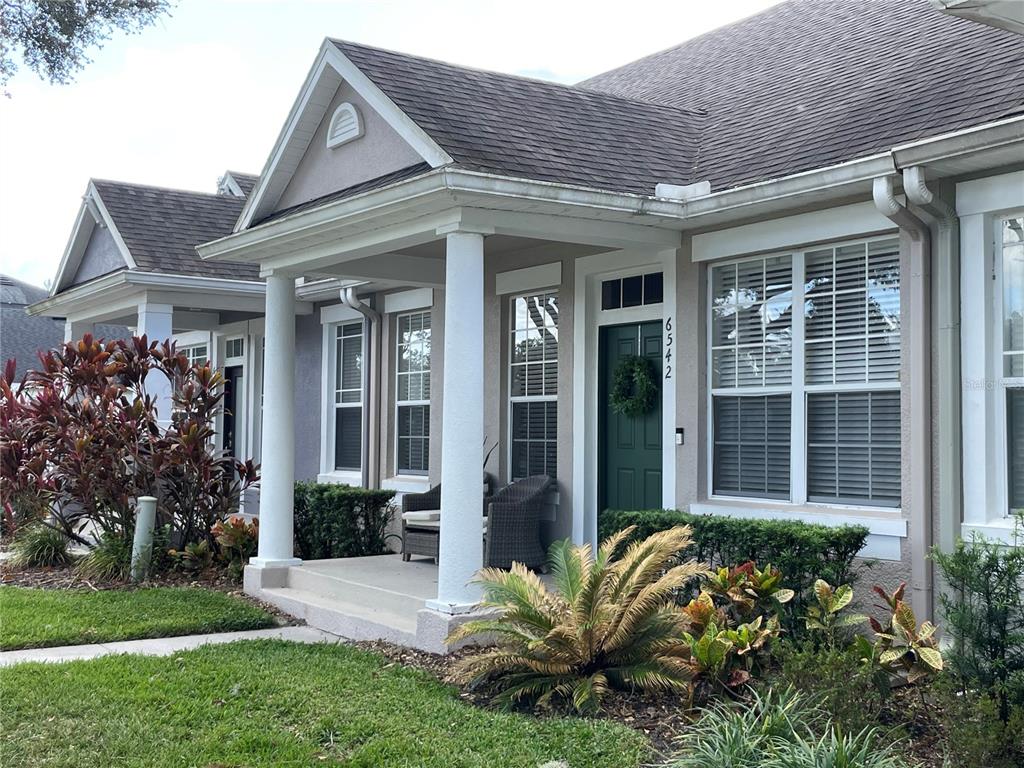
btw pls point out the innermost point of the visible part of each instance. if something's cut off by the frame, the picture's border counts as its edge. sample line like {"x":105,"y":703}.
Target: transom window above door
{"x":633,"y":291}
{"x":805,"y":404}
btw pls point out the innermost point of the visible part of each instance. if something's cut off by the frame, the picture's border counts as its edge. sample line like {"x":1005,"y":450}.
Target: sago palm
{"x":607,"y":623}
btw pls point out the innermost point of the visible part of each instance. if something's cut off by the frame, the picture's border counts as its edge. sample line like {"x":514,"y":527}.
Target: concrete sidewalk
{"x":164,"y":646}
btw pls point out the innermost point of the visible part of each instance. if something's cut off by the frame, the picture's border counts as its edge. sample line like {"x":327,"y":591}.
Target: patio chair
{"x":513,"y":524}
{"x":421,"y":520}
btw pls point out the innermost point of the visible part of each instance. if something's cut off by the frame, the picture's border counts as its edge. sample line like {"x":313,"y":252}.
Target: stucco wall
{"x":380,"y":150}
{"x":308,"y":410}
{"x":101,"y":257}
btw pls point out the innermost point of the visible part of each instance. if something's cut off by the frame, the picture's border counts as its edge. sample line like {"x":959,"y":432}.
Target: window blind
{"x":752,"y":441}
{"x":853,"y":447}
{"x":1015,"y":445}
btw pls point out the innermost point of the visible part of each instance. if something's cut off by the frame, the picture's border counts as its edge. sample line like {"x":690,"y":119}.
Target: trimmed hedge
{"x":340,"y":521}
{"x":802,"y":551}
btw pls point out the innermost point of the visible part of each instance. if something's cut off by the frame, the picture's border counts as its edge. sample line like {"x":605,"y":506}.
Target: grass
{"x":273,"y":703}
{"x":40,"y":618}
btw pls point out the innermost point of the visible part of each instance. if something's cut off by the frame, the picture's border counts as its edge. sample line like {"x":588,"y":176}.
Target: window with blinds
{"x":1015,"y":445}
{"x":1012,"y":278}
{"x":348,"y":397}
{"x":412,"y":400}
{"x":533,"y":386}
{"x":839,"y":398}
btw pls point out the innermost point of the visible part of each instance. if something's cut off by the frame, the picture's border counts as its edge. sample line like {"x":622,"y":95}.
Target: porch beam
{"x":570,"y":229}
{"x":275,"y":549}
{"x":461,"y":545}
{"x":397,"y":268}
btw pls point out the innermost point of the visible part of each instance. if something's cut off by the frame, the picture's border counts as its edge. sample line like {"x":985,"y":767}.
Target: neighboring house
{"x":23,"y":337}
{"x":457,"y":258}
{"x":131,"y":261}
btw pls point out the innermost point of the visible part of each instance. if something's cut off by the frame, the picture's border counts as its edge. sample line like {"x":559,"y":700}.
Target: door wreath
{"x":634,"y":387}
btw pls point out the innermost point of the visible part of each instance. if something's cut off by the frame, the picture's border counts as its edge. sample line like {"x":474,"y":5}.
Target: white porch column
{"x":155,"y":322}
{"x":278,"y":453}
{"x":76,"y":329}
{"x":462,"y":432}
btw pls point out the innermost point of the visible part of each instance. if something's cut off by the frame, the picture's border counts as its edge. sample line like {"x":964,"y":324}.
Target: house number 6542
{"x":668,"y":347}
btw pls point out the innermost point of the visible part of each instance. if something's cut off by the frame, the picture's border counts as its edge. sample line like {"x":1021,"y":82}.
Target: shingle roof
{"x":21,"y":335}
{"x":162,"y":227}
{"x":525,"y":128}
{"x":811,"y":83}
{"x":246,"y":181}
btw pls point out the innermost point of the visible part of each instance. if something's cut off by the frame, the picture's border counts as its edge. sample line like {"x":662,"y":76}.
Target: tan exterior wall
{"x":380,"y":150}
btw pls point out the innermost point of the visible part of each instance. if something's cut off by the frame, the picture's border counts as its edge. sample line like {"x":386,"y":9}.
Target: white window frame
{"x":981,"y":205}
{"x":332,"y":318}
{"x":189,"y":351}
{"x":512,"y":400}
{"x":798,"y":389}
{"x":399,"y":404}
{"x":1004,"y":383}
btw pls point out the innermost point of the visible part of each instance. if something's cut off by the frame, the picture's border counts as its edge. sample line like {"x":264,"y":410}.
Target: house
{"x":809,"y":223}
{"x":23,"y":337}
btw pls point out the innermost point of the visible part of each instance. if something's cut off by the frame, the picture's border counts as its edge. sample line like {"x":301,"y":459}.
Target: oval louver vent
{"x":345,"y":126}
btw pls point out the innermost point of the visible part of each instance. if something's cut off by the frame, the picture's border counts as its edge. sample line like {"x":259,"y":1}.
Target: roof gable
{"x":329,"y":71}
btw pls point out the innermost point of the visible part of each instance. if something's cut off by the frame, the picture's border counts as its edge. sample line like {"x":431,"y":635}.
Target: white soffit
{"x":528,"y":278}
{"x":791,"y":231}
{"x":407,"y":301}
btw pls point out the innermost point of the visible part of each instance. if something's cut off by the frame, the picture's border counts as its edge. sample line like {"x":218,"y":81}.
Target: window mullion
{"x":798,"y":407}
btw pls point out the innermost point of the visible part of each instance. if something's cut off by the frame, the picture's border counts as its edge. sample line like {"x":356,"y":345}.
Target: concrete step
{"x":376,"y":594}
{"x":352,"y":618}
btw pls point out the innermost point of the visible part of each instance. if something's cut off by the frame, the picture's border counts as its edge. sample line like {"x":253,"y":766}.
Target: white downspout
{"x":946,"y":266}
{"x":371,"y":386}
{"x":918,"y":333}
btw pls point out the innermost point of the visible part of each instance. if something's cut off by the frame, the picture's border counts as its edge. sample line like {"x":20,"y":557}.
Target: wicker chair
{"x":513,"y":524}
{"x":422,"y":537}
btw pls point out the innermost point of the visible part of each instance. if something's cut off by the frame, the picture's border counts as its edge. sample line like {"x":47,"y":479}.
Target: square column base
{"x":433,"y":628}
{"x":451,"y":609}
{"x":263,"y":562}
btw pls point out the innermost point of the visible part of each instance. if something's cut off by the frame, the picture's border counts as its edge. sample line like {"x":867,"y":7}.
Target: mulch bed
{"x":64,"y":577}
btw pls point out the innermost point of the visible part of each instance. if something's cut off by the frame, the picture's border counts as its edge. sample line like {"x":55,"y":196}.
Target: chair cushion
{"x":422,"y":516}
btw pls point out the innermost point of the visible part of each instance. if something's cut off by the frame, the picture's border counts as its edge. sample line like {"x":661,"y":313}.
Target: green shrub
{"x":340,"y":521}
{"x":779,"y":729}
{"x":802,"y":551}
{"x":975,"y":733}
{"x":39,"y":545}
{"x":983,"y":609}
{"x":851,"y":692}
{"x":110,"y":559}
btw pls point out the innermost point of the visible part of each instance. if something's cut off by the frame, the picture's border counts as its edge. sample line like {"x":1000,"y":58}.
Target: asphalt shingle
{"x":162,"y":227}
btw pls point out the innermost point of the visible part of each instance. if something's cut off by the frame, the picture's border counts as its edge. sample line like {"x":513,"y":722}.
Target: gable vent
{"x":345,"y":126}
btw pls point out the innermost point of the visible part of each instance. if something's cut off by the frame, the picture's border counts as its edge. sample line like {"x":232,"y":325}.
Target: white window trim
{"x":408,"y":301}
{"x":981,"y":204}
{"x":798,"y":390}
{"x":399,"y":474}
{"x":511,"y":299}
{"x":331,"y":318}
{"x":588,"y":318}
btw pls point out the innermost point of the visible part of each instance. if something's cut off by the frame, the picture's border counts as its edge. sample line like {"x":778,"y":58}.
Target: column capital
{"x":464,"y":228}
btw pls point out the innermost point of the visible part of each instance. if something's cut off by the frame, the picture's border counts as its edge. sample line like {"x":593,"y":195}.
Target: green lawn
{"x":38,"y":618}
{"x":273,"y":703}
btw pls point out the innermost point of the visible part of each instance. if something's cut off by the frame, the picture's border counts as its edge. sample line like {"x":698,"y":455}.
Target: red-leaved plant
{"x":81,"y":439}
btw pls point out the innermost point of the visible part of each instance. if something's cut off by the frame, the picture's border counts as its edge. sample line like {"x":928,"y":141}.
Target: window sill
{"x":406,"y":483}
{"x":886,"y":527}
{"x":999,"y":530}
{"x":339,"y":477}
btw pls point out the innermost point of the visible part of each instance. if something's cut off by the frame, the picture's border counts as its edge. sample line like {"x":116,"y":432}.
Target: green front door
{"x":630,"y":448}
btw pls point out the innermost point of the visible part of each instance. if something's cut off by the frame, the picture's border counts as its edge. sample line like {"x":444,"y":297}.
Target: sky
{"x":208,"y":88}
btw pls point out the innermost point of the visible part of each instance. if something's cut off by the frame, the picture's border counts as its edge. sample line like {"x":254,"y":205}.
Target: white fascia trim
{"x":85,"y":223}
{"x":98,"y":201}
{"x":1000,"y":134}
{"x":407,"y":301}
{"x":330,"y":56}
{"x":325,"y":288}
